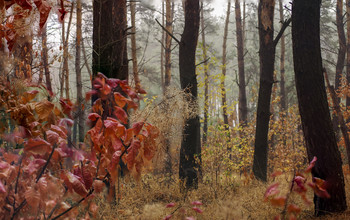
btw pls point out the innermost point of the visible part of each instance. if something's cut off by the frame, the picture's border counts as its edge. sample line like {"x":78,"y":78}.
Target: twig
{"x":170,"y":34}
{"x":73,"y":206}
{"x":283,"y":28}
{"x":46,"y":164}
{"x":204,"y":61}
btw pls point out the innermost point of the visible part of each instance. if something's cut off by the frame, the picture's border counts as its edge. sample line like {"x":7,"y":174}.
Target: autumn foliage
{"x":42,"y":174}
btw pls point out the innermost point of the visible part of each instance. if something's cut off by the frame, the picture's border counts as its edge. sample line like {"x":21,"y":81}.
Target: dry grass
{"x":230,"y":199}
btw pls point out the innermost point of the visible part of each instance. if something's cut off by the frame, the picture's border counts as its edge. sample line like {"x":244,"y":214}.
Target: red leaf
{"x":87,"y":177}
{"x":37,"y":146}
{"x":52,"y":137}
{"x":132,"y":153}
{"x":114,"y":127}
{"x":137,"y":127}
{"x":271,"y":190}
{"x":318,"y":186}
{"x":170,"y":205}
{"x":300,"y":181}
{"x":61,"y":12}
{"x":312,"y":164}
{"x":275,"y":174}
{"x":196,"y":203}
{"x":121,"y":114}
{"x":167,"y":217}
{"x":96,"y":133}
{"x":2,"y":187}
{"x":120,"y":100}
{"x":190,"y":218}
{"x":62,"y":133}
{"x":67,"y":107}
{"x":93,"y":116}
{"x":44,"y":9}
{"x":24,"y":4}
{"x":34,"y":166}
{"x":198,"y":210}
{"x":72,"y":182}
{"x":98,"y":186}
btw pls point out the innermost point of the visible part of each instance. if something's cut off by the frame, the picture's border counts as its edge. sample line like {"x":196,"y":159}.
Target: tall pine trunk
{"x":313,"y":107}
{"x":222,"y":83}
{"x":282,"y":60}
{"x":206,"y":79}
{"x":242,"y":100}
{"x":267,"y":60}
{"x":190,"y":152}
{"x":80,"y":99}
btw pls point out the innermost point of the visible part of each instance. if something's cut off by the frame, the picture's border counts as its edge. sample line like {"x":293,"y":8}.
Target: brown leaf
{"x":37,"y":146}
{"x":44,"y":109}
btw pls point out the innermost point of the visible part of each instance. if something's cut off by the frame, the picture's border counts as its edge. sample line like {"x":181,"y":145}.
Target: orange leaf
{"x":93,"y":116}
{"x":121,"y":114}
{"x":33,"y":198}
{"x":293,"y":209}
{"x":44,"y":109}
{"x":37,"y":146}
{"x":278,"y":201}
{"x":120,"y":100}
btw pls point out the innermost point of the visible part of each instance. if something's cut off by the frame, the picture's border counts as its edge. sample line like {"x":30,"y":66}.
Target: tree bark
{"x":206,"y":79}
{"x":222,"y":83}
{"x":162,"y":52}
{"x":80,"y":98}
{"x":267,"y":60}
{"x":348,"y":48}
{"x":168,"y":39}
{"x":242,"y":100}
{"x":341,"y":57}
{"x":282,"y":59}
{"x":190,"y":147}
{"x":45,"y":59}
{"x":316,"y":121}
{"x":133,"y":46}
{"x":109,"y":39}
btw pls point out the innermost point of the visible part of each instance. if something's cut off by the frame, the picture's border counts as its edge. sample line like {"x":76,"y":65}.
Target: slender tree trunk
{"x":341,"y":58}
{"x":242,"y":100}
{"x":23,"y":54}
{"x":282,"y":59}
{"x":267,"y":60}
{"x":169,"y":28}
{"x":133,"y":46}
{"x":348,"y":49}
{"x":222,"y":83}
{"x":162,"y":52}
{"x":109,"y":38}
{"x":190,"y":152}
{"x":45,"y":59}
{"x":319,"y":134}
{"x":80,"y":98}
{"x":206,"y":79}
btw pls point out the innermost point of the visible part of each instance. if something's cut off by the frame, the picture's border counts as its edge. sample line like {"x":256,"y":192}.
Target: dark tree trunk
{"x":348,"y":48}
{"x":341,"y":57}
{"x":80,"y":98}
{"x":282,"y":59}
{"x":316,"y":121}
{"x":190,"y":146}
{"x":206,"y":79}
{"x":44,"y":58}
{"x":267,"y":60}
{"x":242,"y":100}
{"x":109,"y":38}
{"x":222,"y":83}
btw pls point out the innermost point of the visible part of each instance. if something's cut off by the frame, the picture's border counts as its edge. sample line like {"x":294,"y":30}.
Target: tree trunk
{"x":282,"y":59}
{"x":133,"y":46}
{"x":242,"y":100}
{"x":267,"y":60}
{"x":341,"y":57}
{"x":109,"y":39}
{"x":348,"y":48}
{"x":162,"y":52}
{"x":222,"y":83}
{"x":23,"y":54}
{"x":80,"y":98}
{"x":169,"y":28}
{"x":206,"y":79}
{"x":45,"y":59}
{"x":190,"y":147}
{"x":315,"y":117}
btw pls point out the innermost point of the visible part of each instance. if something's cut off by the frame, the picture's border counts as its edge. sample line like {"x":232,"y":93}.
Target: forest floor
{"x":234,"y":198}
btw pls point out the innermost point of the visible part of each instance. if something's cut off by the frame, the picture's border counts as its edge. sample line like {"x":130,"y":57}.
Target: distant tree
{"x":109,"y":38}
{"x":44,"y":58}
{"x":133,"y":46}
{"x":80,"y":98}
{"x":316,"y":121}
{"x":223,"y":69}
{"x":348,"y":48}
{"x":206,"y":78}
{"x":191,"y":145}
{"x":242,"y":99}
{"x":282,"y":61}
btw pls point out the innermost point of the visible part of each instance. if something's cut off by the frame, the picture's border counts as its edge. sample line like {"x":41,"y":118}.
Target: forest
{"x":169,"y":109}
